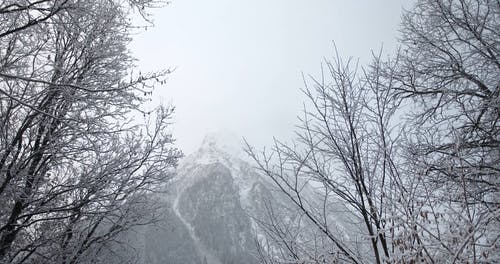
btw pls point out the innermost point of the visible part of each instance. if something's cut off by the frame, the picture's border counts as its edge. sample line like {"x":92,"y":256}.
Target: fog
{"x":239,"y":64}
{"x":394,"y":159}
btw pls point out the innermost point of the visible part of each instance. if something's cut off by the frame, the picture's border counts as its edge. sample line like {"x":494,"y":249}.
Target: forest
{"x":395,"y":161}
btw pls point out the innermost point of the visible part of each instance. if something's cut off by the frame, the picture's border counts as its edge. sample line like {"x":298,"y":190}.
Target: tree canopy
{"x":77,"y":164}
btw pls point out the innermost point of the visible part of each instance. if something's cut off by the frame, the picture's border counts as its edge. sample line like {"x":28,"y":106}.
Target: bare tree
{"x":289,"y":237}
{"x":449,"y":66}
{"x":75,"y":168}
{"x":448,"y":71}
{"x":410,"y":145}
{"x":345,"y":149}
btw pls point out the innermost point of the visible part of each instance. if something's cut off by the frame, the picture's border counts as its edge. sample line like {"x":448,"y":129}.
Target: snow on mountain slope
{"x":212,"y":191}
{"x":227,"y":150}
{"x":209,"y":258}
{"x":215,"y":207}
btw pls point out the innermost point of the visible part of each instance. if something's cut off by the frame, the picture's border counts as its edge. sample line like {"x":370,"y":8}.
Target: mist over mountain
{"x":219,"y":210}
{"x":209,"y":210}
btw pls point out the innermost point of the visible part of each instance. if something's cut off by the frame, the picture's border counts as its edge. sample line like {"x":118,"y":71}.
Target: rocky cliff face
{"x":211,"y":207}
{"x":209,"y":211}
{"x":215,"y":210}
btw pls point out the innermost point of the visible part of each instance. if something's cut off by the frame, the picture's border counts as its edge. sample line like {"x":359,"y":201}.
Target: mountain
{"x":209,"y":210}
{"x":216,"y":211}
{"x":217,"y":195}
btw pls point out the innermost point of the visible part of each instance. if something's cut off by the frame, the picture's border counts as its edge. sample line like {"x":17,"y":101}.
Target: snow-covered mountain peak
{"x":221,"y":150}
{"x":221,"y":147}
{"x":224,"y":141}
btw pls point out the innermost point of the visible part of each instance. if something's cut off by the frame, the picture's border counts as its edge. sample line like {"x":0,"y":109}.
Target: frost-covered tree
{"x":448,"y":71}
{"x":345,"y":151}
{"x":410,"y":145}
{"x":76,"y":169}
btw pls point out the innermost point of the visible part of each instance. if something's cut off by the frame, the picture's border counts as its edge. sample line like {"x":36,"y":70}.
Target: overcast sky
{"x":239,"y":63}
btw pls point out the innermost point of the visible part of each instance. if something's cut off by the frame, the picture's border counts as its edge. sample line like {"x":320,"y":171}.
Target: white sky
{"x":239,"y":63}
